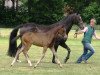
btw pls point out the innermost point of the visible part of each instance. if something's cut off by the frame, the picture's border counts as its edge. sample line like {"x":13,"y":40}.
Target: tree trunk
{"x":3,"y":2}
{"x":13,"y":10}
{"x":16,"y":5}
{"x":29,"y":8}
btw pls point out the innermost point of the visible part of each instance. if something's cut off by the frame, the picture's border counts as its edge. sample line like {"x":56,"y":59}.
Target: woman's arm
{"x":82,"y":31}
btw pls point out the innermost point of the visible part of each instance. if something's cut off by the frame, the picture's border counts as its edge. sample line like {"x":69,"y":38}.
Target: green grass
{"x":46,"y":67}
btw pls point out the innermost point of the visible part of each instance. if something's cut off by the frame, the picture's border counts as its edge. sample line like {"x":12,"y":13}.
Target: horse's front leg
{"x":27,"y":57}
{"x":56,"y":47}
{"x":55,"y":54}
{"x":43,"y":54}
{"x":68,"y":49}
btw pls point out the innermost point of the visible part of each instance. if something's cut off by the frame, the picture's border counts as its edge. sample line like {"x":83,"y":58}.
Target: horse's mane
{"x":35,"y":27}
{"x":65,"y":21}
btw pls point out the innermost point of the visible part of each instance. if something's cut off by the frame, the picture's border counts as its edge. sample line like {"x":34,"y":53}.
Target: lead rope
{"x":75,"y":34}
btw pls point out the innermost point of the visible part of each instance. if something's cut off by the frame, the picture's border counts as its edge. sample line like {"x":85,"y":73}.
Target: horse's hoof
{"x":54,"y":62}
{"x":18,"y":61}
{"x":35,"y":66}
{"x":60,"y":66}
{"x":11,"y":65}
{"x":65,"y":60}
{"x":30,"y":65}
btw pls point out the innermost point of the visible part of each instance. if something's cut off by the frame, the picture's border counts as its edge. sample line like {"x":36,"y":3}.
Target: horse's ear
{"x":77,"y":13}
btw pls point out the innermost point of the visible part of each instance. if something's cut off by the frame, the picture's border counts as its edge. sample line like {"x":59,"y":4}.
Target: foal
{"x":45,"y":39}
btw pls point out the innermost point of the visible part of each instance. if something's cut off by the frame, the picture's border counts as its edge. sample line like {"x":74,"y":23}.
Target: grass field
{"x":46,"y":67}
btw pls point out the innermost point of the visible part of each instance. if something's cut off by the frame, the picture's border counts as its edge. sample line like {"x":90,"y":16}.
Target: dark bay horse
{"x":68,"y":22}
{"x":43,"y":37}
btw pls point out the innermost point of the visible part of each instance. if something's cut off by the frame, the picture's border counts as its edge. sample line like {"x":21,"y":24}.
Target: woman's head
{"x":92,"y":22}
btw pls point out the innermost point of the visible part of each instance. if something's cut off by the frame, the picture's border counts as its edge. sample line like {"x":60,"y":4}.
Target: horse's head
{"x":78,"y":21}
{"x":62,"y":32}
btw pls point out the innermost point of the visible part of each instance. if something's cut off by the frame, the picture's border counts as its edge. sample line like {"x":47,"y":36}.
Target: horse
{"x":68,"y":22}
{"x":39,"y":36}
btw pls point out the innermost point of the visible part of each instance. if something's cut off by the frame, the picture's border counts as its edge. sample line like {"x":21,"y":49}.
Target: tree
{"x":92,"y":11}
{"x":45,"y":11}
{"x":76,"y":6}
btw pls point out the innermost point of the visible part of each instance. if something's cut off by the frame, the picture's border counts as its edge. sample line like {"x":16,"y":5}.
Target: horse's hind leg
{"x":68,"y":49}
{"x":26,"y":55}
{"x":27,"y":58}
{"x":17,"y":54}
{"x":55,"y":53}
{"x":43,"y":54}
{"x":20,"y":45}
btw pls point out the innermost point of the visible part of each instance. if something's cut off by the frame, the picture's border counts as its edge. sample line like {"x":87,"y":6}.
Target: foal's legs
{"x":17,"y":54}
{"x":27,"y":58}
{"x":26,"y":55}
{"x":55,"y":54}
{"x":68,"y":49}
{"x":20,"y":45}
{"x":43,"y":54}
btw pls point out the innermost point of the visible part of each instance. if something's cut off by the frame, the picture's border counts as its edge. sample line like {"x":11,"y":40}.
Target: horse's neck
{"x":68,"y":28}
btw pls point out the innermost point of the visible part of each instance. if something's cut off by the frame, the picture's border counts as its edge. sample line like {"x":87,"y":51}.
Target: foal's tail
{"x":13,"y":42}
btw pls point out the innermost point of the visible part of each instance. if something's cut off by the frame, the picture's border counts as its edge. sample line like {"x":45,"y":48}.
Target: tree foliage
{"x":47,"y":11}
{"x":92,"y":11}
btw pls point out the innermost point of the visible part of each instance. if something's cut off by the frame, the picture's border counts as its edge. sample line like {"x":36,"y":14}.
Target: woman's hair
{"x":93,"y":19}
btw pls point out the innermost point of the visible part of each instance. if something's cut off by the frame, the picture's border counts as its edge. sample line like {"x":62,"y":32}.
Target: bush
{"x":92,"y":11}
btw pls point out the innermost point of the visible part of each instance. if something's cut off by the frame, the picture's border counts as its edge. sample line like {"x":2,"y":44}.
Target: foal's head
{"x":62,"y":32}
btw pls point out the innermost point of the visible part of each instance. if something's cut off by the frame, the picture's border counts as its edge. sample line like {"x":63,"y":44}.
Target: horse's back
{"x":39,"y":39}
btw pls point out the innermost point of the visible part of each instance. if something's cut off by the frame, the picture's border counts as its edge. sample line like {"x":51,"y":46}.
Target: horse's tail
{"x":13,"y":42}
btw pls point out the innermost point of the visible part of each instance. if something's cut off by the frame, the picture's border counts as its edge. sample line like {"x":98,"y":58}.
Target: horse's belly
{"x":40,"y":41}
